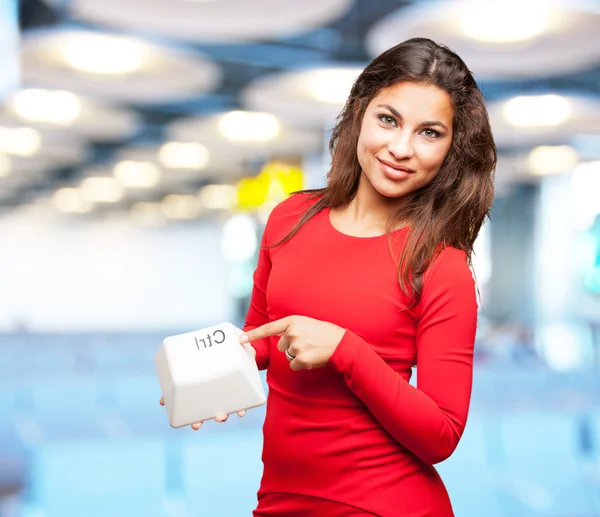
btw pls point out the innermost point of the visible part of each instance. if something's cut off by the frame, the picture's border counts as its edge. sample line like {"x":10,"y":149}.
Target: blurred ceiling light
{"x":239,"y":241}
{"x":218,"y":197}
{"x":184,"y":155}
{"x":333,"y":85}
{"x":130,"y":173}
{"x":249,"y":126}
{"x":71,"y":200}
{"x":5,"y":166}
{"x":58,"y":106}
{"x":102,"y":190}
{"x":147,"y":214}
{"x":22,"y":141}
{"x":181,"y":206}
{"x":536,"y":111}
{"x":504,"y":22}
{"x":102,"y":54}
{"x":545,"y":159}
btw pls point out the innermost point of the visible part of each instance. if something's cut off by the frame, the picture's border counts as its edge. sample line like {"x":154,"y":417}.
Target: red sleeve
{"x":257,"y":311}
{"x":427,"y":420}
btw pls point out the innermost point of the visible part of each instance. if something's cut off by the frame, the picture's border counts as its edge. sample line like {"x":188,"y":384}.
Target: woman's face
{"x":405,"y":135}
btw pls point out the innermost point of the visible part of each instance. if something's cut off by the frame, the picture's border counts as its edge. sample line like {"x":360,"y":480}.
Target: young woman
{"x":361,"y":281}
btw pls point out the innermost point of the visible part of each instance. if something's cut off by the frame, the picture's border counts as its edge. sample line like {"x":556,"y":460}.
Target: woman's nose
{"x":401,"y":146}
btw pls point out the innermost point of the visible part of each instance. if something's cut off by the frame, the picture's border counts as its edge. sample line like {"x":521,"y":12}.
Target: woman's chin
{"x":391,"y":192}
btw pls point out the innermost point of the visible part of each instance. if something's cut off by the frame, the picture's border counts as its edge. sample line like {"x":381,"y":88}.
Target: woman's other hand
{"x":218,"y":418}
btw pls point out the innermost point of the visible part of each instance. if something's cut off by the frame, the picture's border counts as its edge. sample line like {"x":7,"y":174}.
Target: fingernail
{"x":243,"y":339}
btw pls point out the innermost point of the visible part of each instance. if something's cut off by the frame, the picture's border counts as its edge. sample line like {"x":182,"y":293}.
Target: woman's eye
{"x":431,"y":133}
{"x":387,"y":119}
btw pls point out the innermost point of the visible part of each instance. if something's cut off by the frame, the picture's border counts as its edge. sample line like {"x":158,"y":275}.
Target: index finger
{"x":273,"y":328}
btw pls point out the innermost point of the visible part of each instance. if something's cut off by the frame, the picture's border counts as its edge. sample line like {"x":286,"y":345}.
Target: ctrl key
{"x":206,"y":373}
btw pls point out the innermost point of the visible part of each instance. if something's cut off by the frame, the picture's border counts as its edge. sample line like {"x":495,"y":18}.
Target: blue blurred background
{"x":143,"y":144}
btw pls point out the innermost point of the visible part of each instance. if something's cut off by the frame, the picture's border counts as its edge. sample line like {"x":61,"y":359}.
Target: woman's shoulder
{"x":450,"y":262}
{"x":450,"y":277}
{"x":294,"y":206}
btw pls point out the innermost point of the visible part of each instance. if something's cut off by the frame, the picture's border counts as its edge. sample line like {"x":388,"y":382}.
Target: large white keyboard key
{"x":207,"y":372}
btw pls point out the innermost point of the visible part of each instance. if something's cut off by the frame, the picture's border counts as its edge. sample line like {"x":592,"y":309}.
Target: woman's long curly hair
{"x":448,"y":211}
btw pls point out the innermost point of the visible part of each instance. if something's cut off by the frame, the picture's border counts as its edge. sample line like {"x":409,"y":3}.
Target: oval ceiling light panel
{"x":65,"y":111}
{"x":249,"y":126}
{"x":545,"y":159}
{"x":103,"y":54}
{"x":536,"y":110}
{"x":308,"y":97}
{"x":504,"y":22}
{"x":5,"y":165}
{"x":212,"y":21}
{"x":20,"y":141}
{"x":511,"y":39}
{"x":184,"y":155}
{"x":71,"y":201}
{"x":530,"y":120}
{"x":238,"y":146}
{"x":55,"y":107}
{"x":115,"y":67}
{"x":137,"y":174}
{"x":100,"y":189}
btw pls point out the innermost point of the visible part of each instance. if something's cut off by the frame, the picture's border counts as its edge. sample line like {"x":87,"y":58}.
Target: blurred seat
{"x":8,"y":404}
{"x":87,"y":426}
{"x":131,"y":402}
{"x":136,"y":393}
{"x":485,"y":394}
{"x":106,"y":358}
{"x":594,"y":466}
{"x":99,"y":478}
{"x":221,"y":473}
{"x":529,"y":387}
{"x":67,"y":396}
{"x":152,"y":422}
{"x":542,"y":464}
{"x":50,"y":360}
{"x":12,"y":363}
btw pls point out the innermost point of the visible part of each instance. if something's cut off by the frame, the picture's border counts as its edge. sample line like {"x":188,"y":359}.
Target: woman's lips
{"x":393,"y":172}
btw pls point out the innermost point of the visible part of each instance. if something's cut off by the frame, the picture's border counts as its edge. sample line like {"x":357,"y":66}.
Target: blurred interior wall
{"x":511,"y":284}
{"x":111,"y":276}
{"x":556,"y":284}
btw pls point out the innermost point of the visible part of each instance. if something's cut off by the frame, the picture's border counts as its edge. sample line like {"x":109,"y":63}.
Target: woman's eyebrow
{"x":426,"y":123}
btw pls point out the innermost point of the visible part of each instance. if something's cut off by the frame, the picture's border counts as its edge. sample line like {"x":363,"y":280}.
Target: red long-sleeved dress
{"x":354,"y":437}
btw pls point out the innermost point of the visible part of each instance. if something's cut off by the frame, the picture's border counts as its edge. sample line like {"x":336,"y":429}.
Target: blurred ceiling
{"x":109,"y":84}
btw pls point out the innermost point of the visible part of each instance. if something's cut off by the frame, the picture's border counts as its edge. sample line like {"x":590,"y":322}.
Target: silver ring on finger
{"x":289,"y":356}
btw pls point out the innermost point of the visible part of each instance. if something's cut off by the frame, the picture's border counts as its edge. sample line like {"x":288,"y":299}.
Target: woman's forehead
{"x":414,"y":99}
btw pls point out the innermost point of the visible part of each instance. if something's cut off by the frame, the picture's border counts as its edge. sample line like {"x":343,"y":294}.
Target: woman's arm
{"x":427,"y":420}
{"x":257,"y":311}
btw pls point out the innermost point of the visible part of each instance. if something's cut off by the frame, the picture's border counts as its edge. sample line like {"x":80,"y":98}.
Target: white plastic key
{"x":207,"y":372}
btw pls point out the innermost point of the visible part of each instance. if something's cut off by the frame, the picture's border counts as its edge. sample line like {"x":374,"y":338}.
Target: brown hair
{"x":450,"y":210}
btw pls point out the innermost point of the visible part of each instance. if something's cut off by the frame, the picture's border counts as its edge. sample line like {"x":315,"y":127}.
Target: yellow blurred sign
{"x":275,"y":182}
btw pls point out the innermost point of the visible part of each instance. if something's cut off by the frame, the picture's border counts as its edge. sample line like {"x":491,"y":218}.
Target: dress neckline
{"x":356,"y":237}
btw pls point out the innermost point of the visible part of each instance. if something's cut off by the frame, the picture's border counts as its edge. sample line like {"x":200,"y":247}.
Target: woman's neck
{"x":369,"y":209}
